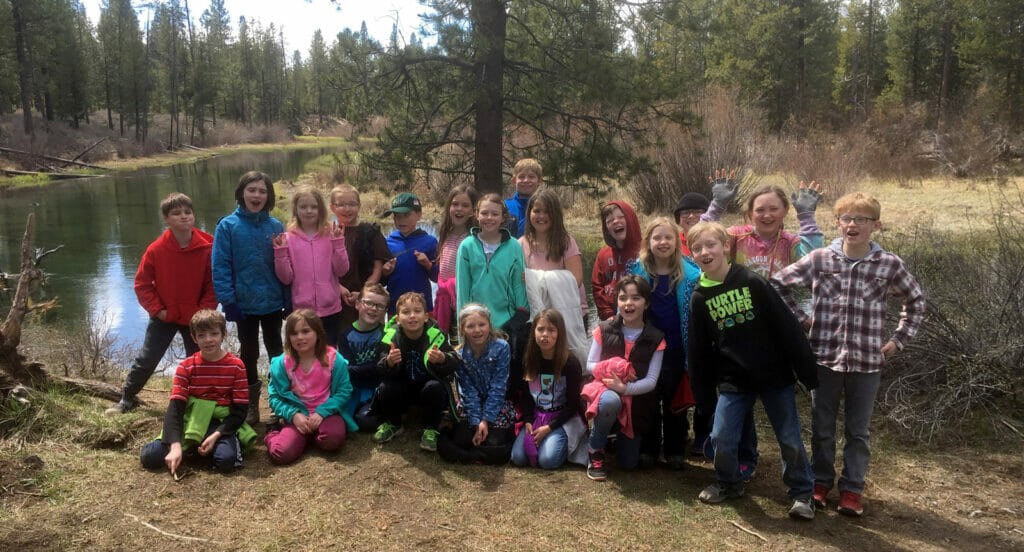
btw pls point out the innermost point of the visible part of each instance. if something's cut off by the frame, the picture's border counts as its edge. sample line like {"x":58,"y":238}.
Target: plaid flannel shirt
{"x":850,"y":300}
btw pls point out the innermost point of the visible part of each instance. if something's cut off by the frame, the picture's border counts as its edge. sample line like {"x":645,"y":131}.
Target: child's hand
{"x":206,"y":447}
{"x":388,"y":267}
{"x":280,"y":240}
{"x":808,"y":199}
{"x":173,"y":458}
{"x":723,"y":188}
{"x":394,"y":356}
{"x":615,"y":384}
{"x":481,"y":433}
{"x":313,"y":422}
{"x":889,"y":349}
{"x":539,"y":434}
{"x":347,"y":296}
{"x":337,"y":230}
{"x":435,"y":356}
{"x":421,"y":258}
{"x":301,"y":423}
{"x":162,"y":315}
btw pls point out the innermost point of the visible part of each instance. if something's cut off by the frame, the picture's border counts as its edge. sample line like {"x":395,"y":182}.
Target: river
{"x":106,"y":223}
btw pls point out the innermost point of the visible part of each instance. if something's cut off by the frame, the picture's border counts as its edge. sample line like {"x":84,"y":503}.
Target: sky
{"x":300,"y":18}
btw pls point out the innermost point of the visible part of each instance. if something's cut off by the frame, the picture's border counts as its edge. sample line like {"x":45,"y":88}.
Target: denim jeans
{"x":780,"y":406}
{"x":551,"y":453}
{"x":627,"y":450}
{"x":249,"y":344}
{"x":858,"y":393}
{"x":225,"y":457}
{"x":159,"y":335}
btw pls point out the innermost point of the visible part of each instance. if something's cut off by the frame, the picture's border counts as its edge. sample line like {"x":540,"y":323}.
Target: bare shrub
{"x":893,"y":150}
{"x":968,"y":149}
{"x":232,"y":132}
{"x":729,"y":135}
{"x":834,"y":162}
{"x":967,"y":355}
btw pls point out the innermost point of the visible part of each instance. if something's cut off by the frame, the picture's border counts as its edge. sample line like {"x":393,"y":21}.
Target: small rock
{"x":33,"y":462}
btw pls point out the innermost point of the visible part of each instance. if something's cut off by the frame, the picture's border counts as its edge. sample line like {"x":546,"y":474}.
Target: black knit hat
{"x":692,"y":200}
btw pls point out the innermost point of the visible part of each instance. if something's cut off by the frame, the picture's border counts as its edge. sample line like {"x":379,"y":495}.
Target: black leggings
{"x":249,"y":344}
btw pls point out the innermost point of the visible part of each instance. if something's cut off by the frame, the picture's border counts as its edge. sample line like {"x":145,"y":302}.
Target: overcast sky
{"x":300,"y":18}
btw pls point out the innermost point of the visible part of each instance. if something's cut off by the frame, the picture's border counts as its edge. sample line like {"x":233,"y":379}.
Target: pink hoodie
{"x":312,"y":267}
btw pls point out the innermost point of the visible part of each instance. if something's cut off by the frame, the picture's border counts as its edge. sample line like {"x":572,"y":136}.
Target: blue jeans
{"x":159,"y":335}
{"x":627,"y":451}
{"x":780,"y":406}
{"x":551,"y":454}
{"x":225,"y":457}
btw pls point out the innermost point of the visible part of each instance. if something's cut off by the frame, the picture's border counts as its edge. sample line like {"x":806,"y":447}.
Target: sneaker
{"x":120,"y":407}
{"x":747,"y":472}
{"x":849,"y":504}
{"x":676,"y":462}
{"x":386,"y":432}
{"x":716,"y":492}
{"x":429,"y":440}
{"x":802,"y":509}
{"x":595,"y":466}
{"x":820,"y":494}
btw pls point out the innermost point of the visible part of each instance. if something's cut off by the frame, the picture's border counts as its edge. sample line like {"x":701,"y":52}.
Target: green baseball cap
{"x":403,"y":203}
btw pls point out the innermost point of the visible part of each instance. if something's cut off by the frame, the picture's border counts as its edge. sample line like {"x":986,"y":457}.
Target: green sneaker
{"x":429,"y":440}
{"x":386,"y":432}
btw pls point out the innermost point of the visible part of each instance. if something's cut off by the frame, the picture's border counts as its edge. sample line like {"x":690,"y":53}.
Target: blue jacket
{"x":409,"y":275}
{"x":284,"y":403}
{"x":243,"y":262}
{"x":483,"y":381}
{"x":684,"y":291}
{"x":497,"y":283}
{"x":517,"y":208}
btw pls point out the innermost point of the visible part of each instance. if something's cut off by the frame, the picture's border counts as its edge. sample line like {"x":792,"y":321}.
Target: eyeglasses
{"x":691,"y":213}
{"x":372,"y":305}
{"x":860,"y":221}
{"x":345,"y":204}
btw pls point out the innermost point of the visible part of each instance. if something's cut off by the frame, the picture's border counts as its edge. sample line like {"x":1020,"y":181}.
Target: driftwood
{"x":11,"y":360}
{"x":94,"y":388}
{"x":51,"y":158}
{"x":52,"y":175}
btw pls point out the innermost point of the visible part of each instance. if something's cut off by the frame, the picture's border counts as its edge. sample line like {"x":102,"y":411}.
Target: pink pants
{"x":287,"y":444}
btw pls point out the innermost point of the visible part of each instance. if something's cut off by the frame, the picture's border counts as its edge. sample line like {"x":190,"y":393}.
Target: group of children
{"x":692,"y":315}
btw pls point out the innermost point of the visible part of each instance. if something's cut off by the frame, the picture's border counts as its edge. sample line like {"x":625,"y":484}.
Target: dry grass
{"x":396,"y":497}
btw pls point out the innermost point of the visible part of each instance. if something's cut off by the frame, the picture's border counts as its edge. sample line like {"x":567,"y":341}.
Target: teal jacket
{"x":285,"y":404}
{"x":497,"y":283}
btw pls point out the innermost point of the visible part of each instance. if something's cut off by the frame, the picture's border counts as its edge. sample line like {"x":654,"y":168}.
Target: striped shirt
{"x":850,"y":297}
{"x":223,"y":381}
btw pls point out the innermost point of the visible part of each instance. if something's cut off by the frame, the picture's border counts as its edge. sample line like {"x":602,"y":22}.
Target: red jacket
{"x":176,"y":279}
{"x":610,"y":264}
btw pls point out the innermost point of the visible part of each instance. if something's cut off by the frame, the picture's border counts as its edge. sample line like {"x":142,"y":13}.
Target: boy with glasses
{"x":358,"y":344}
{"x":850,"y":283}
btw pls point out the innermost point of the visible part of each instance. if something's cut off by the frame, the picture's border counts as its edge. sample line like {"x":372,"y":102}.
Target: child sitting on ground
{"x":850,"y":283}
{"x":173,"y":283}
{"x":485,"y":415}
{"x":209,"y":398}
{"x":747,"y":344}
{"x":358,"y":344}
{"x":416,"y":363}
{"x":308,"y":390}
{"x":411,"y":267}
{"x":621,"y":230}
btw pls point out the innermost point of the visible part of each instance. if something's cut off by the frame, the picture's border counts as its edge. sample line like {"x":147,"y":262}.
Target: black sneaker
{"x":595,"y":467}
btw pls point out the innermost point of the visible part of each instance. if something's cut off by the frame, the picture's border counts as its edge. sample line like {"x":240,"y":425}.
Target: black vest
{"x":645,"y":407}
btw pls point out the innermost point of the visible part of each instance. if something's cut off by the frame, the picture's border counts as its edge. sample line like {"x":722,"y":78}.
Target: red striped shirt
{"x":223,"y":381}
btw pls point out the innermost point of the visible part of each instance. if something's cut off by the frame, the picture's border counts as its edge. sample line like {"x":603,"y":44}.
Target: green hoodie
{"x":496,"y":283}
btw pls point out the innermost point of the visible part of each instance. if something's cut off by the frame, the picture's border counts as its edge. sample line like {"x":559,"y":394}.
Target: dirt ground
{"x":397,"y":497}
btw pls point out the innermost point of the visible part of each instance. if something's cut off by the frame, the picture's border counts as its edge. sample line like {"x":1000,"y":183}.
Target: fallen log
{"x":94,"y":388}
{"x":88,"y":149}
{"x":53,"y":175}
{"x":51,"y":158}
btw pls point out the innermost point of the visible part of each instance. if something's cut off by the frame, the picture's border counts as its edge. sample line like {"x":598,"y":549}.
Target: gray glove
{"x":806,"y":202}
{"x":723,"y":189}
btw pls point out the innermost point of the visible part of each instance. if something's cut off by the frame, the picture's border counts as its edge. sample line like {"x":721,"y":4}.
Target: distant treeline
{"x":803,"y":62}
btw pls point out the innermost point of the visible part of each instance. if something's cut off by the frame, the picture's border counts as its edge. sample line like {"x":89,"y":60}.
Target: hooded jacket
{"x":497,"y":283}
{"x":611,"y":262}
{"x":409,"y":274}
{"x":176,"y":279}
{"x":312,"y":267}
{"x":744,"y":339}
{"x":243,"y":262}
{"x":284,"y":402}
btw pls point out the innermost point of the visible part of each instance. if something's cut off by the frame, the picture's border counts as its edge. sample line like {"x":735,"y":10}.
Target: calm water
{"x":106,"y":224}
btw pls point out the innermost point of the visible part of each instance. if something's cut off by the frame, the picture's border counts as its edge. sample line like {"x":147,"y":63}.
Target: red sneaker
{"x":849,"y":504}
{"x":820,"y":493}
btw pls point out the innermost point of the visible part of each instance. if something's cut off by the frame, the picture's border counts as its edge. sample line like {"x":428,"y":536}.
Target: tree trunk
{"x":489,"y":17}
{"x":12,"y":362}
{"x":24,"y":64}
{"x":947,"y":68}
